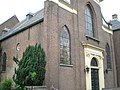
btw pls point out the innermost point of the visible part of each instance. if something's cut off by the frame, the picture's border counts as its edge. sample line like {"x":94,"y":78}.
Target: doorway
{"x":94,"y":74}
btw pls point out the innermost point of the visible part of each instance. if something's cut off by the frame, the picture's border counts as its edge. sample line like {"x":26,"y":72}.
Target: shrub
{"x":17,"y":87}
{"x":31,"y":68}
{"x":6,"y":84}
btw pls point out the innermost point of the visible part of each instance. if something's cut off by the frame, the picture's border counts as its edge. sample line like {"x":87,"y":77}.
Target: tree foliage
{"x":6,"y":84}
{"x":31,"y":68}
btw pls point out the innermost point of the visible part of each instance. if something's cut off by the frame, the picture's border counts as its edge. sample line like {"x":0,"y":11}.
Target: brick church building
{"x":77,"y":41}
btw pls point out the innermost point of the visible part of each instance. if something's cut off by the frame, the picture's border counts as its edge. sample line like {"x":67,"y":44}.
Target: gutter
{"x":24,"y":28}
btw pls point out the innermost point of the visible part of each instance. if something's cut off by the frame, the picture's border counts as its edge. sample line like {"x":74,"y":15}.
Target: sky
{"x":21,"y":8}
{"x":110,"y":7}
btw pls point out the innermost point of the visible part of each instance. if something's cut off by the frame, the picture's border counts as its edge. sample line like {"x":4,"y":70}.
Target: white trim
{"x":68,"y":1}
{"x":104,"y":23}
{"x":64,"y":6}
{"x":91,"y":51}
{"x":86,"y":45}
{"x":107,"y":30}
{"x":95,"y":67}
{"x":97,"y":1}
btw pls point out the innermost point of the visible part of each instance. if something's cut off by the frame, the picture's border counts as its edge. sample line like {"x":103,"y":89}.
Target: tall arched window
{"x":108,"y":57}
{"x":89,"y":21}
{"x":65,"y":46}
{"x":4,"y":58}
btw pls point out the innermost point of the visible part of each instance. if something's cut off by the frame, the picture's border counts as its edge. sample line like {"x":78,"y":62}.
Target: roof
{"x":10,"y":23}
{"x":13,"y":17}
{"x":115,"y":24}
{"x":23,"y":25}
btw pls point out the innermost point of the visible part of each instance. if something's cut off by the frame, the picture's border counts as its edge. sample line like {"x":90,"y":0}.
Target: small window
{"x":108,"y":57}
{"x":18,"y":47}
{"x":65,"y":46}
{"x":94,"y":62}
{"x":89,"y":21}
{"x":4,"y":58}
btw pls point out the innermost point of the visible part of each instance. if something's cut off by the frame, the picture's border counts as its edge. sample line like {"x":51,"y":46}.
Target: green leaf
{"x":31,"y":67}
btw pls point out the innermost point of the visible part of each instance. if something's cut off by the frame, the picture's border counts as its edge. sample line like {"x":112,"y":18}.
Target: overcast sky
{"x":20,"y":8}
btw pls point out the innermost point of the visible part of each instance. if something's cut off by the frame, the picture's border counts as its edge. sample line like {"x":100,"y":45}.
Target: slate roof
{"x":115,"y":24}
{"x":23,"y":25}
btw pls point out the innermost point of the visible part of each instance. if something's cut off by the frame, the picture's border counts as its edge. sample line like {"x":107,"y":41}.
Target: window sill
{"x":109,"y":69}
{"x":66,"y":65}
{"x":93,"y":38}
{"x":3,"y":71}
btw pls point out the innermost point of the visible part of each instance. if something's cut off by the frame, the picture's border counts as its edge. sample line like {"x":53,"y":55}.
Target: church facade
{"x":77,"y":42}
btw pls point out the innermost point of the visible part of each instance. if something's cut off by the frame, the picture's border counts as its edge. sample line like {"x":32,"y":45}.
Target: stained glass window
{"x":64,"y":46}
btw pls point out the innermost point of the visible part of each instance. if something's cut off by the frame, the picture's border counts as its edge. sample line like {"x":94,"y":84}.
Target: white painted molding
{"x":68,"y":1}
{"x":64,"y":6}
{"x":107,"y":30}
{"x":97,"y":1}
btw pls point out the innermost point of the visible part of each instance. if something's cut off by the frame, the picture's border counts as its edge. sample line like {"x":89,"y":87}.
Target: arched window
{"x":94,"y":75}
{"x":89,"y":21}
{"x":65,"y":46}
{"x":4,"y":58}
{"x":94,"y":62}
{"x":18,"y":47}
{"x":108,"y":57}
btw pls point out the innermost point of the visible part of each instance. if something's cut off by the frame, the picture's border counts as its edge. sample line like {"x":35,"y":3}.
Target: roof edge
{"x":24,"y":28}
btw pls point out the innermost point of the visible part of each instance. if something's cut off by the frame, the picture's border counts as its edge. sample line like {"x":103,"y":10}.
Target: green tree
{"x":6,"y":84}
{"x":31,"y":68}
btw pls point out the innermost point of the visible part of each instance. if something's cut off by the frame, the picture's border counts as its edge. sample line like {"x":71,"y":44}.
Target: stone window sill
{"x":109,"y":69}
{"x":3,"y":71}
{"x":66,"y":65}
{"x":93,"y":38}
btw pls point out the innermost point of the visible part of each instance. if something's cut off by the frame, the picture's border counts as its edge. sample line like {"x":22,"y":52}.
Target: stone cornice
{"x":72,"y":10}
